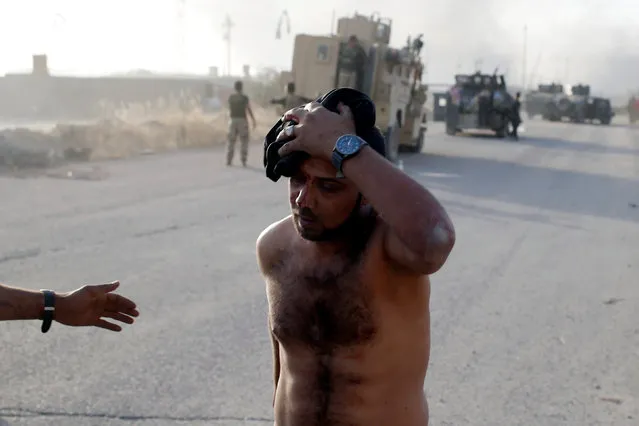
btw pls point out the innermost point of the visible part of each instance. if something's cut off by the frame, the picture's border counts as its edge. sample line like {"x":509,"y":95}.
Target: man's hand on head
{"x":317,"y":130}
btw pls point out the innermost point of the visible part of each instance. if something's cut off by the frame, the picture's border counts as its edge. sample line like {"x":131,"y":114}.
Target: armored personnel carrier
{"x":478,"y":102}
{"x":577,"y":105}
{"x":359,"y":56}
{"x":536,"y":101}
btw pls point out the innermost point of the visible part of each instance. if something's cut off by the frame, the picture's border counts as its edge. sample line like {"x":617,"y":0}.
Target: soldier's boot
{"x":230,"y":151}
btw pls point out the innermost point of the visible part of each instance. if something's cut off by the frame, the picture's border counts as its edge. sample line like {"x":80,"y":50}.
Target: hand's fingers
{"x":119,"y":317}
{"x":118,"y":303}
{"x":345,"y":111}
{"x":108,"y":288}
{"x":296,"y":114}
{"x":108,"y":325}
{"x":287,"y":133}
{"x":311,"y":106}
{"x":287,"y":148}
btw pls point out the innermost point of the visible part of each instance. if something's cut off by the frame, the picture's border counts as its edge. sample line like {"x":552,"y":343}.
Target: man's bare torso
{"x":351,"y":332}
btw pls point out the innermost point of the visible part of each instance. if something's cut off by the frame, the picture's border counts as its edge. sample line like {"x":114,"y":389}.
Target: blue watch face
{"x":347,"y":145}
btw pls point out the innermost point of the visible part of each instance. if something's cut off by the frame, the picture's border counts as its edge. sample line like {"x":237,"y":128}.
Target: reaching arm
{"x":20,"y":304}
{"x":86,"y":306}
{"x":420,"y":235}
{"x":249,"y":110}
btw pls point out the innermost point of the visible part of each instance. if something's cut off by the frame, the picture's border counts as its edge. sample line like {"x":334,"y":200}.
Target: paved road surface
{"x":534,"y":317}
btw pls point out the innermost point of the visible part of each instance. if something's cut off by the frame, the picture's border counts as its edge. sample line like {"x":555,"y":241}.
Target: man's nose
{"x":304,"y":197}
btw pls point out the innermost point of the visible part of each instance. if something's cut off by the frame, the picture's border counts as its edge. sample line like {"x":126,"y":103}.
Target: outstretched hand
{"x":317,"y":129}
{"x":89,"y":305}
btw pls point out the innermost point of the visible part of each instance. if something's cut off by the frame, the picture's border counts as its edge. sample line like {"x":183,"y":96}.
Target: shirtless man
{"x":347,"y":283}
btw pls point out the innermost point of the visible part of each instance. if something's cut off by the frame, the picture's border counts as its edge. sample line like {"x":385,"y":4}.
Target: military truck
{"x":536,"y":101}
{"x":478,"y":102}
{"x":633,"y":109}
{"x":575,"y":104}
{"x":359,"y":56}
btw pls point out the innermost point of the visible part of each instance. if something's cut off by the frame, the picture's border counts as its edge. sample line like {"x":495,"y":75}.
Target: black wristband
{"x":49,"y":309}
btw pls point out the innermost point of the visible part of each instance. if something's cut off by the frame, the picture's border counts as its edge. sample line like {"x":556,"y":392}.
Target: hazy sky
{"x":576,"y":40}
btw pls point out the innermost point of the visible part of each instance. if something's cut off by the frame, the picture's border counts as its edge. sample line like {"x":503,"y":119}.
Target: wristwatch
{"x":49,"y":309}
{"x":347,"y":146}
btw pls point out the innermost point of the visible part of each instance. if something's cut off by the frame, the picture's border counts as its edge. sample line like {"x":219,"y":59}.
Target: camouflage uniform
{"x":352,"y":61}
{"x":238,"y":126}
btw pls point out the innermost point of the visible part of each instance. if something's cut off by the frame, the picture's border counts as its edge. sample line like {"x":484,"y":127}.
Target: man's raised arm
{"x":420,"y":235}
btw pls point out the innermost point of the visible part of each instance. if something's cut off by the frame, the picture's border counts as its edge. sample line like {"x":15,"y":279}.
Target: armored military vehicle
{"x":633,"y":109}
{"x":359,"y":56}
{"x":578,"y":106}
{"x":478,"y":102}
{"x":536,"y":101}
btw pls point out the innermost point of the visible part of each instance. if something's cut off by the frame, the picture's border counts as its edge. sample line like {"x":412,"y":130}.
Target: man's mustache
{"x":306,"y":213}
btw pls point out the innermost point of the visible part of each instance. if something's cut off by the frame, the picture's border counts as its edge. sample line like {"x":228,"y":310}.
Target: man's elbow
{"x":437,"y":248}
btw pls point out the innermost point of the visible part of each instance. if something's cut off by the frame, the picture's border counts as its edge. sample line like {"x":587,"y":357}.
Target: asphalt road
{"x":535,"y":315}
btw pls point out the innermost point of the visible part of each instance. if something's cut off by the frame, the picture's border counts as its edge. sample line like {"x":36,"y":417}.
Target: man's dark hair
{"x":238,"y":86}
{"x":352,"y":39}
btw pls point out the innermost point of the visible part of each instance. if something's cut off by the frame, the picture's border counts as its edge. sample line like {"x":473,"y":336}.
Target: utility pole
{"x":523,"y":59}
{"x":228,"y":24}
{"x":284,"y":19}
{"x":182,"y":29}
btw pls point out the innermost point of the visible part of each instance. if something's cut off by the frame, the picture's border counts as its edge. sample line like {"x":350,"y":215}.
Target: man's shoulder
{"x":273,"y":241}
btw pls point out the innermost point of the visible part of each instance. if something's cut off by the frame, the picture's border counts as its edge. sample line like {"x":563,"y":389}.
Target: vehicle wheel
{"x":419,"y":145}
{"x":392,"y":144}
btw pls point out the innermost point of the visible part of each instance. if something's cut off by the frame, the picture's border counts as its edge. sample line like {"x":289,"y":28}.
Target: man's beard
{"x":341,"y":232}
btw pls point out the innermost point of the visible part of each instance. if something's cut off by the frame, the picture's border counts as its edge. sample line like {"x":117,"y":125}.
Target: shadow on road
{"x":559,"y":190}
{"x":557,"y":143}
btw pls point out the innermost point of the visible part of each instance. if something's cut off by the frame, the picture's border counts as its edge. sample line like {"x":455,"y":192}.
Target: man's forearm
{"x":410,"y":210}
{"x":20,"y":304}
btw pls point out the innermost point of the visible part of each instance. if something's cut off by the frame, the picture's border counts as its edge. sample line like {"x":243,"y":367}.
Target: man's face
{"x":321,"y":204}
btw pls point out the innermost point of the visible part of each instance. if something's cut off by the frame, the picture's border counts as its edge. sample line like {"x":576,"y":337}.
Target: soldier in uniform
{"x":352,"y":63}
{"x":239,"y":107}
{"x":291,"y":100}
{"x":515,"y":116}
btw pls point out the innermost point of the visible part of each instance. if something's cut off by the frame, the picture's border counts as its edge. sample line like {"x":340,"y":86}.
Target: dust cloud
{"x":121,"y":133}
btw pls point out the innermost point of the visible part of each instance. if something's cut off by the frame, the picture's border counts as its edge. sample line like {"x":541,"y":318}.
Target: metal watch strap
{"x":337,"y":160}
{"x":49,"y":309}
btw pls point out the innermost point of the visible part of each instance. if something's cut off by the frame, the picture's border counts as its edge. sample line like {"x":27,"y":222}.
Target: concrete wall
{"x":41,"y":97}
